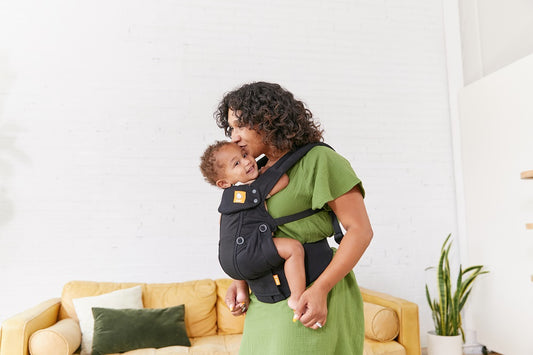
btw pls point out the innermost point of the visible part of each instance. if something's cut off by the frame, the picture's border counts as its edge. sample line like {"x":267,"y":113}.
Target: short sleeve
{"x":331,"y":174}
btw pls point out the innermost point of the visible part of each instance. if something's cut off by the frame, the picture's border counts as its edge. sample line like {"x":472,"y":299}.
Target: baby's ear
{"x":223,"y":184}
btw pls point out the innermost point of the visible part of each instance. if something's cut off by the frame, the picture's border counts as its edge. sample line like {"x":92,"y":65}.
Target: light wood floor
{"x":424,"y":352}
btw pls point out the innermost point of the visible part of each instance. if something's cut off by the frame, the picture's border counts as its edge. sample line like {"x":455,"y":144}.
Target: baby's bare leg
{"x":293,"y":252}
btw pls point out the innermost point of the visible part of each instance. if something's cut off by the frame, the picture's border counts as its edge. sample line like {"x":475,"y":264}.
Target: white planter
{"x":444,"y":345}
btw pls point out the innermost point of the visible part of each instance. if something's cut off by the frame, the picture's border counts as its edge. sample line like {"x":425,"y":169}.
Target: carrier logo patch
{"x":239,"y":197}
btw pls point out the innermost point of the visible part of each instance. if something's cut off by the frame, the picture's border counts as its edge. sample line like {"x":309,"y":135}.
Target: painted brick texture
{"x":106,"y":106}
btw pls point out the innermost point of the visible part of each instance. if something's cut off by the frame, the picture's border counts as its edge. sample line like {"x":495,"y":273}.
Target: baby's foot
{"x":292,"y":302}
{"x":295,"y":317}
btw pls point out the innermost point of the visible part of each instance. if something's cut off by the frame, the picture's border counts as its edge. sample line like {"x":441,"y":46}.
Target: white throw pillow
{"x":127,"y":298}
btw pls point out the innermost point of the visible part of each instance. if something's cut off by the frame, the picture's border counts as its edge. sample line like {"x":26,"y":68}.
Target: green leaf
{"x":446,"y":310}
{"x":428,"y":297}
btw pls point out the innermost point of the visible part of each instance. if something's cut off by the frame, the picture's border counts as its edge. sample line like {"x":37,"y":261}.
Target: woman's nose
{"x":235,"y":137}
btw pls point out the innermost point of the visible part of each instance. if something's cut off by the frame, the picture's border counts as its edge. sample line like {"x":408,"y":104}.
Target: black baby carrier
{"x":246,"y":249}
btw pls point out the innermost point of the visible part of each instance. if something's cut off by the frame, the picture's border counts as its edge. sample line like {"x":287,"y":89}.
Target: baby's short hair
{"x":209,"y":166}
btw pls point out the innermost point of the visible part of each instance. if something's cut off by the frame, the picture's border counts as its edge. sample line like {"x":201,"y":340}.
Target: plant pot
{"x":444,"y":345}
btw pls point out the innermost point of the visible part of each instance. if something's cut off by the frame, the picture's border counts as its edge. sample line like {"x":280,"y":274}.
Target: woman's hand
{"x":238,"y":297}
{"x":312,"y":308}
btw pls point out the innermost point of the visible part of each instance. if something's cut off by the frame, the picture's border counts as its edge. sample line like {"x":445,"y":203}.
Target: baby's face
{"x":238,"y":166}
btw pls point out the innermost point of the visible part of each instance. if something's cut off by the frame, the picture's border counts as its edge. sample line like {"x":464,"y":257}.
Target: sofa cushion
{"x":127,"y":298}
{"x":199,"y":298}
{"x":227,"y":323}
{"x":77,"y":289}
{"x":198,"y":295}
{"x":62,"y":338}
{"x":381,"y":323}
{"x":209,"y":345}
{"x":219,"y":344}
{"x":372,"y":347}
{"x":120,"y":330}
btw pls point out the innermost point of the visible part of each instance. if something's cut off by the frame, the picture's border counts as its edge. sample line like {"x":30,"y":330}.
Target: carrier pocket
{"x":255,"y":252}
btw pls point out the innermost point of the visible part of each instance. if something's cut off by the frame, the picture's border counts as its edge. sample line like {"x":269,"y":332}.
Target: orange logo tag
{"x":276,"y":279}
{"x":239,"y":197}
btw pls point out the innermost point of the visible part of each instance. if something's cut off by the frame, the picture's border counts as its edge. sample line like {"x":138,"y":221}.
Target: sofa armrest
{"x":17,"y":330}
{"x":409,"y":334}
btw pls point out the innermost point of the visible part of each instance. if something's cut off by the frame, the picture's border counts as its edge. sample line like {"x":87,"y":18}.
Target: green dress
{"x":319,"y":177}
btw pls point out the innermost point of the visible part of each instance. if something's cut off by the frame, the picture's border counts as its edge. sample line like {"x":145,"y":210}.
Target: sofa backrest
{"x":199,"y":298}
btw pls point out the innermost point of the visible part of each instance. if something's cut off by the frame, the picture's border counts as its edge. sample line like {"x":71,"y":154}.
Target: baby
{"x":224,"y":164}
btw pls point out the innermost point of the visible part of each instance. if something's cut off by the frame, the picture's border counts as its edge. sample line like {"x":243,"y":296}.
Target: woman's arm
{"x":351,"y":212}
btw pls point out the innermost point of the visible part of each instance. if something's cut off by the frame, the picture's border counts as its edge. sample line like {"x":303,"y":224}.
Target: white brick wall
{"x":106,"y":106}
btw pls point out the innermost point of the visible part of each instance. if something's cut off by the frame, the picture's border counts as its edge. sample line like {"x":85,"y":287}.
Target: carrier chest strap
{"x":338,"y":234}
{"x":296,"y":216}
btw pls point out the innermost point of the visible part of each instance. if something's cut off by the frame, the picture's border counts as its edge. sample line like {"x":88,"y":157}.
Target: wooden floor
{"x":424,"y":352}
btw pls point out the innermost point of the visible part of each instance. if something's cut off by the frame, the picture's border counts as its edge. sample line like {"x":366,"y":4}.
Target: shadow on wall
{"x":8,"y":149}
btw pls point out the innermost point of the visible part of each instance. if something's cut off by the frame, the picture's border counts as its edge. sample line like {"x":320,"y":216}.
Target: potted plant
{"x":446,"y":308}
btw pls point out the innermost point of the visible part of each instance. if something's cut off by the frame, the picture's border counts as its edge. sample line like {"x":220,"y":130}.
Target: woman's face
{"x":248,"y":139}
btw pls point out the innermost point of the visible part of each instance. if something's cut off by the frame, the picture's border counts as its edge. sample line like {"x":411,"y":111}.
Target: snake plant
{"x":446,"y":309}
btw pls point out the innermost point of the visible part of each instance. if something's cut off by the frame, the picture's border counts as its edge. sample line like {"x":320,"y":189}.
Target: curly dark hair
{"x":209,"y":166}
{"x":283,"y":122}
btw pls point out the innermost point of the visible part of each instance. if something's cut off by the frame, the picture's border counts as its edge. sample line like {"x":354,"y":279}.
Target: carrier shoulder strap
{"x":270,"y":177}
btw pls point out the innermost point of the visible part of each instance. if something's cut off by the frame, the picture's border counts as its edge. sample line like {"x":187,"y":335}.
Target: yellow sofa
{"x":210,"y":326}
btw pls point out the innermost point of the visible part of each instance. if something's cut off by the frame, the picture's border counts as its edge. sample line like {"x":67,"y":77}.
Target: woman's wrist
{"x":323,"y":285}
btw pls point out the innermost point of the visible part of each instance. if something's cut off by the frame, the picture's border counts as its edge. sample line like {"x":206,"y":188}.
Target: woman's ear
{"x":223,"y":184}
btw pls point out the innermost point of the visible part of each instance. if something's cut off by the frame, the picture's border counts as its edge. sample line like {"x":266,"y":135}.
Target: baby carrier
{"x":246,"y":249}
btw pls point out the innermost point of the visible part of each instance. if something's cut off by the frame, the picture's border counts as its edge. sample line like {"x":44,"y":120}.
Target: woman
{"x":264,"y":118}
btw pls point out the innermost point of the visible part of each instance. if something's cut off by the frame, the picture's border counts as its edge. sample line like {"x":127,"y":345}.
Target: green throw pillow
{"x":120,"y":330}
